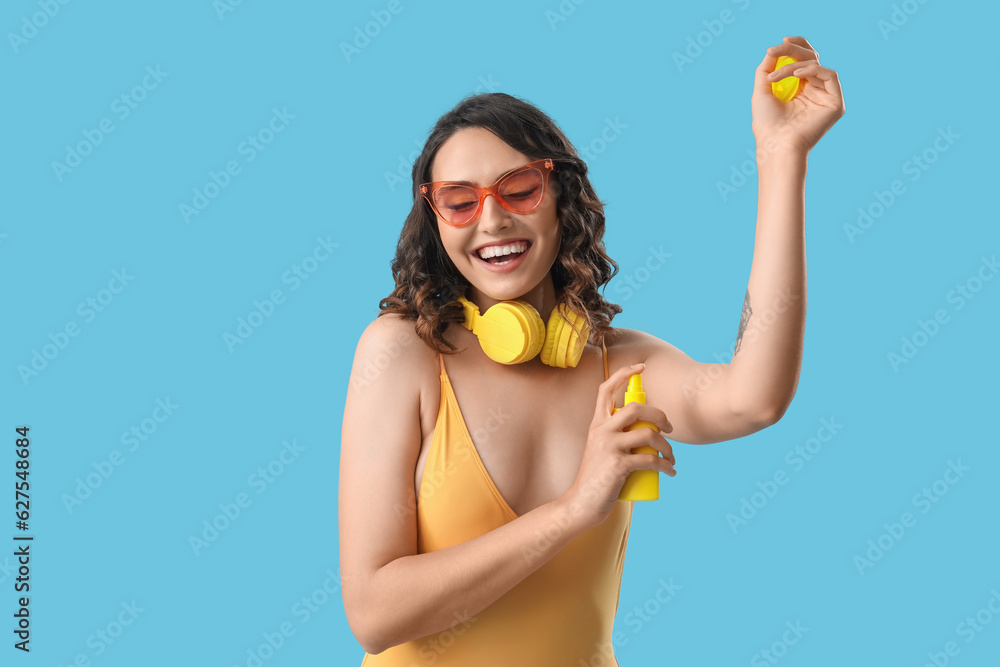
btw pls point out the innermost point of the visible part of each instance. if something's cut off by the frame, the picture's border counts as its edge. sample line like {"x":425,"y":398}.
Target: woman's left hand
{"x":799,"y":123}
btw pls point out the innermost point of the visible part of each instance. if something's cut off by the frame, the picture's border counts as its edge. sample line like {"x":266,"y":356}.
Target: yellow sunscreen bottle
{"x":640,"y":484}
{"x":786,"y":88}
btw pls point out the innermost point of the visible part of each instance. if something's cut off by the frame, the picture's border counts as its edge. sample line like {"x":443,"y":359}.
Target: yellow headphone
{"x":512,"y":332}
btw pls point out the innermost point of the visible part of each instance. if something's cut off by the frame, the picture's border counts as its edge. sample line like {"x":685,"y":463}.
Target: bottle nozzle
{"x":634,"y":393}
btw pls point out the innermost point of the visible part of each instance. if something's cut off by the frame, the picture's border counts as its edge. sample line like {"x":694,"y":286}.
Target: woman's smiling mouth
{"x":504,"y":256}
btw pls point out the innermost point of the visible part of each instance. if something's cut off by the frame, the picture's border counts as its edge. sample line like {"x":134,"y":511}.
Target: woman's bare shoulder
{"x":624,"y":345}
{"x":389,"y":349}
{"x":632,"y":346}
{"x":391,"y":327}
{"x":632,"y":341}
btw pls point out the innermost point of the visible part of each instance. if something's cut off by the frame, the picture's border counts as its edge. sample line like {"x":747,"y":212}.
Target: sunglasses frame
{"x":546,"y":166}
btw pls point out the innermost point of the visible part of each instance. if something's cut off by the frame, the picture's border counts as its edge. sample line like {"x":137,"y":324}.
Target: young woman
{"x":480,"y":459}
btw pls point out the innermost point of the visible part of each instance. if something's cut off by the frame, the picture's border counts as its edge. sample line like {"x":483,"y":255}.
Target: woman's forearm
{"x":415,"y":596}
{"x":768,"y":352}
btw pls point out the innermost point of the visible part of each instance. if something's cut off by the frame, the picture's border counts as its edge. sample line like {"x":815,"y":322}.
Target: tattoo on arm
{"x":747,"y":312}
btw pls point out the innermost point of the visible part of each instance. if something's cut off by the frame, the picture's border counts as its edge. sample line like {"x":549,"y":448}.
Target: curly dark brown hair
{"x":427,"y":282}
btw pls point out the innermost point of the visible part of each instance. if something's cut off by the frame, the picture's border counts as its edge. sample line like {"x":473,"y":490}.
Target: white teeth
{"x":494,"y":251}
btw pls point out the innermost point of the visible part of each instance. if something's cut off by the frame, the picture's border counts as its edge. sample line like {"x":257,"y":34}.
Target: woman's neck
{"x":542,"y":297}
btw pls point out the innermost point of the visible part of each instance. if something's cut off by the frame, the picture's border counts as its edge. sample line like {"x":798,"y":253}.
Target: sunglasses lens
{"x":523,"y":191}
{"x":456,"y":204}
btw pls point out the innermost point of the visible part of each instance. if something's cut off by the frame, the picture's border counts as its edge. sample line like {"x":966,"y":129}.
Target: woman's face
{"x":480,"y":157}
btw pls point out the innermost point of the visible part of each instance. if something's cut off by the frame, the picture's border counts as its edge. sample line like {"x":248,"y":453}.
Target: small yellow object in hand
{"x":786,"y":88}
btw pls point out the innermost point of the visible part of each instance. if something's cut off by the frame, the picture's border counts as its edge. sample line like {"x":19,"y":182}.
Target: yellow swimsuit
{"x":561,"y":614}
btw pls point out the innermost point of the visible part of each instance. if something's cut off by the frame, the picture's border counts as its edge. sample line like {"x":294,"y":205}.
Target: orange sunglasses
{"x":520,"y":190}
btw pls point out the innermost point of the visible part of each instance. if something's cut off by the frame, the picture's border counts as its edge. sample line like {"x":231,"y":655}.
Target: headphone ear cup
{"x":551,"y":347}
{"x":515,"y":332}
{"x":563,"y":345}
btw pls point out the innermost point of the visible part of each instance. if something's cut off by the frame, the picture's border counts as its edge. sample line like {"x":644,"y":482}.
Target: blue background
{"x":324,"y":177}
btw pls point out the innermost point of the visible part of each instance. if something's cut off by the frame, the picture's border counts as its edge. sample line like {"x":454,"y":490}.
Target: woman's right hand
{"x":607,"y":459}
